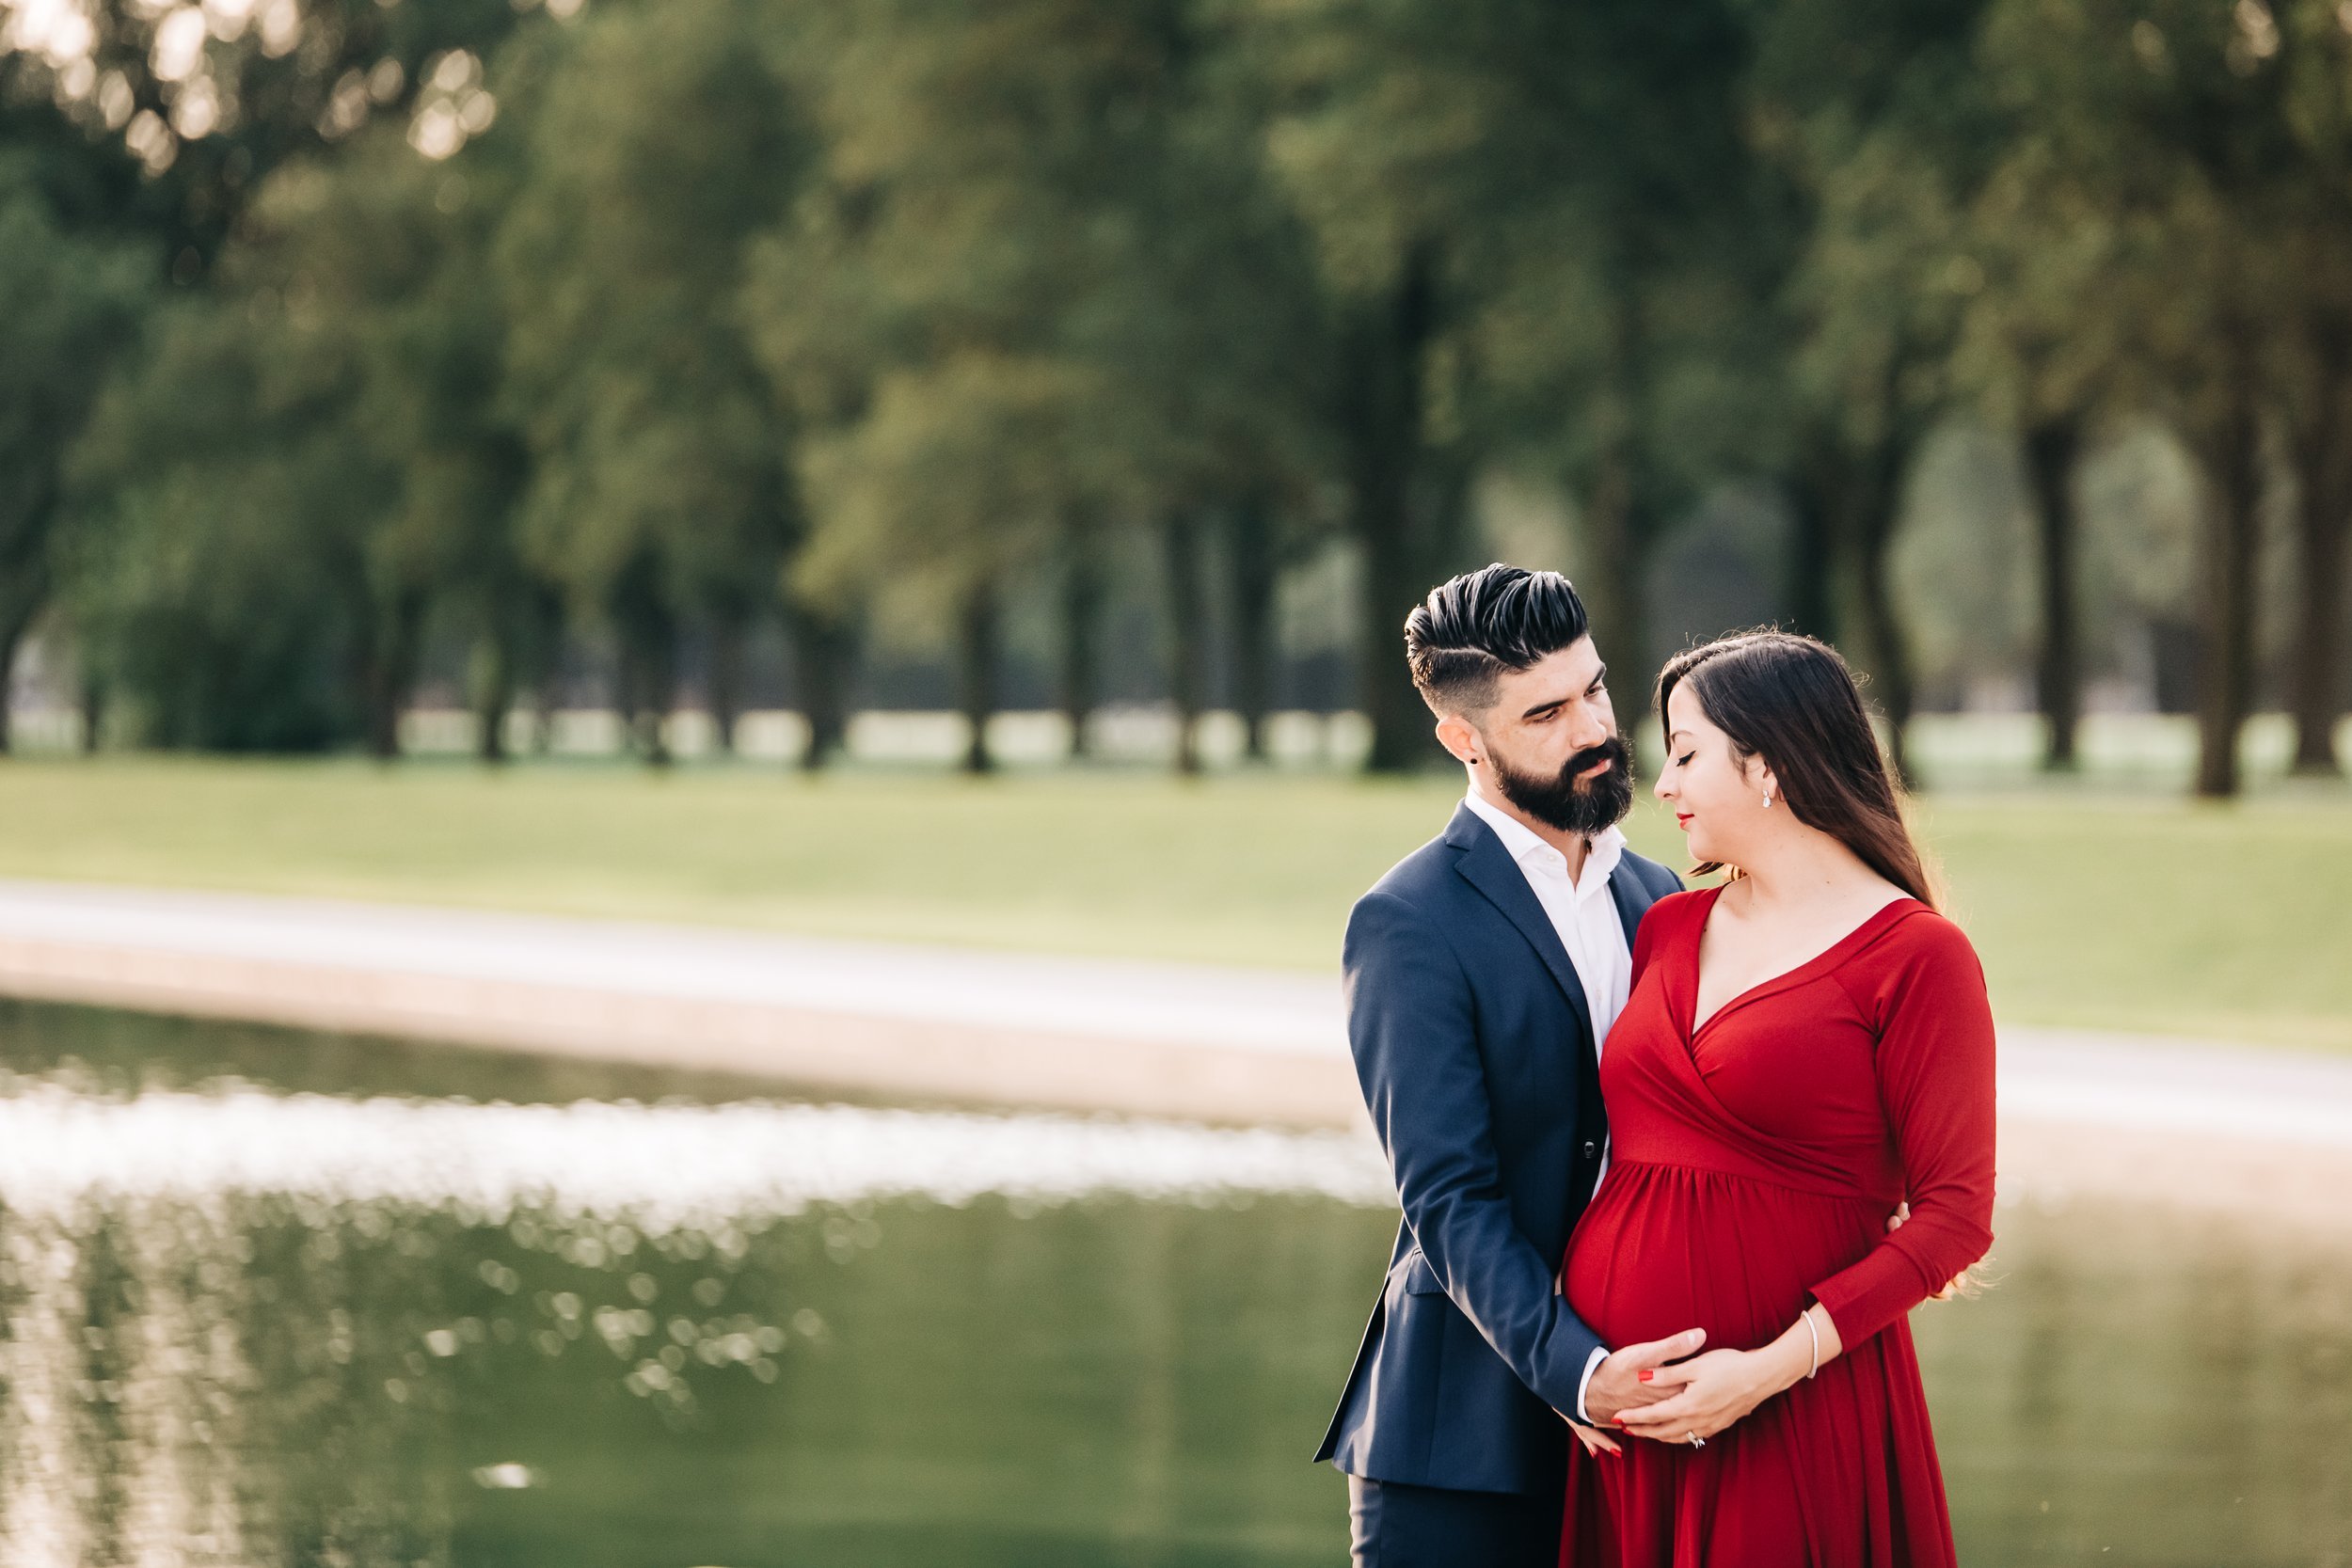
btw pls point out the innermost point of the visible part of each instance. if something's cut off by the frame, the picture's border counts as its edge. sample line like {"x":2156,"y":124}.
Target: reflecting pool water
{"x":279,"y":1299}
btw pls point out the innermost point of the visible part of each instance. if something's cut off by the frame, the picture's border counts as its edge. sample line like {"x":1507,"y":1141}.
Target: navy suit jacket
{"x":1475,"y":1049}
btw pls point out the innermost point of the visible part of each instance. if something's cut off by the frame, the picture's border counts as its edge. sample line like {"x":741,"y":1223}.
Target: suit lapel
{"x":1632,"y":899}
{"x":1486,"y":866}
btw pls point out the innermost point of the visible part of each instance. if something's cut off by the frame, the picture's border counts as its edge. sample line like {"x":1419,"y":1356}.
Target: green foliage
{"x":661,"y":142}
{"x":671,"y":320}
{"x":310,"y":451}
{"x":201,"y":566}
{"x":68,"y":303}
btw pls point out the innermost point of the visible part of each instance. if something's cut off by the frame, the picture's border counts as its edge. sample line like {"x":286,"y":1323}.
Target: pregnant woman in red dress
{"x":1806,"y":1048}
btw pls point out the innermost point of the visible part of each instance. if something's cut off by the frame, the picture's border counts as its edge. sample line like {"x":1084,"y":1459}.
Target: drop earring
{"x":1767,"y":799}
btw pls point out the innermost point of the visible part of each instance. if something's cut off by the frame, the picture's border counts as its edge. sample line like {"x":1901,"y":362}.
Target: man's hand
{"x":1619,"y":1384}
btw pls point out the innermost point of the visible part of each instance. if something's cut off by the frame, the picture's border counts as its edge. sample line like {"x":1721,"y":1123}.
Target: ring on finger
{"x":1694,"y":1439}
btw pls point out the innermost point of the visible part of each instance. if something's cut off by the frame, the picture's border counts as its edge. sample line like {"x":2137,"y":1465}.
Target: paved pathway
{"x":1163,"y":1039}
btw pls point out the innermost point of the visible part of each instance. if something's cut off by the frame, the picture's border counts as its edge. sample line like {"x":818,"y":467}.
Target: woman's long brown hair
{"x":1792,"y":701}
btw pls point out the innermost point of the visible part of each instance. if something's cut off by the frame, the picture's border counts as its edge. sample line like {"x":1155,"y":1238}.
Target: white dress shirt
{"x":1585,"y":914}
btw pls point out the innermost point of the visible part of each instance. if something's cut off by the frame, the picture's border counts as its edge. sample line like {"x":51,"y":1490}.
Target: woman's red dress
{"x":1753,"y":1167}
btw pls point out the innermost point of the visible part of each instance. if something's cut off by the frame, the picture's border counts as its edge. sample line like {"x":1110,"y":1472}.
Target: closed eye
{"x":1684,"y":760}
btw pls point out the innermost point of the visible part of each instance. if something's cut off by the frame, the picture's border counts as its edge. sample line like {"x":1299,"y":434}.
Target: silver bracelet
{"x":1807,"y":1316}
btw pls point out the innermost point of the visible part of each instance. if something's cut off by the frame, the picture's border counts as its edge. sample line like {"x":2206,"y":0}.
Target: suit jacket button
{"x":1592,"y":1147}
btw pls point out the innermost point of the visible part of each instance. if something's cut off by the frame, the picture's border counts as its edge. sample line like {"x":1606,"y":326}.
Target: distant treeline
{"x":337,"y":331}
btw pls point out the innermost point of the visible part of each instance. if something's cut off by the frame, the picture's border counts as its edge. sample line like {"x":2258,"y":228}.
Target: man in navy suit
{"x":1483,"y":974}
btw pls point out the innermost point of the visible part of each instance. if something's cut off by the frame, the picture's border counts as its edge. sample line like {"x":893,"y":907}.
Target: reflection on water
{"x":580,"y":1318}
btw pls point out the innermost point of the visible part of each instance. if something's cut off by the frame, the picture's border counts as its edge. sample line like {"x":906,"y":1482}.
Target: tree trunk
{"x":1619,"y":516}
{"x":649,"y":689}
{"x":93,"y":696}
{"x":1876,"y":502}
{"x":1078,"y":678}
{"x":821,"y":647}
{"x":1180,"y":540}
{"x":1611,"y":584}
{"x":23,"y":592}
{"x":722,"y":690}
{"x":1891,"y":681}
{"x":1384,"y":385}
{"x":822,"y":654}
{"x":975,"y":672}
{"x":2052,"y":447}
{"x":649,"y":630}
{"x":1253,"y":578}
{"x":389,"y":674}
{"x":2326,"y":531}
{"x":534,"y":620}
{"x":493,"y":694}
{"x":2227,"y":539}
{"x":1391,"y":583}
{"x":11,"y":635}
{"x":2322,"y":526}
{"x":1809,"y":597}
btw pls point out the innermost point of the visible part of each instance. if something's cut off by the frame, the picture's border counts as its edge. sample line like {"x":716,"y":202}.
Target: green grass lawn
{"x":2107,"y":913}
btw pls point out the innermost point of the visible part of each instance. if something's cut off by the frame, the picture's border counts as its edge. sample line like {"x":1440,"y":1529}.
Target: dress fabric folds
{"x":1754,"y":1162}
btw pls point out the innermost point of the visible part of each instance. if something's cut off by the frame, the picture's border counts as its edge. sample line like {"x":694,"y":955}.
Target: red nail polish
{"x":1648,"y":1374}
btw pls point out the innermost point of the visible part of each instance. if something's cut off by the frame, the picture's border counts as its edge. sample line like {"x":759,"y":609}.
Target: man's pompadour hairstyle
{"x":1460,"y":640}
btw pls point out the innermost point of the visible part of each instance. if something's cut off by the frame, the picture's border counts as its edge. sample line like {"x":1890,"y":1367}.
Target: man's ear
{"x":1459,"y":736}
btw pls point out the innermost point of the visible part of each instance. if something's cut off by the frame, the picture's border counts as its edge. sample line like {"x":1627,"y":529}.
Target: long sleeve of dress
{"x":1935,"y":1082}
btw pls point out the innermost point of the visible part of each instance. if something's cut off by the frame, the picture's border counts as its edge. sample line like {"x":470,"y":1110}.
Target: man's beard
{"x":1573,"y":805}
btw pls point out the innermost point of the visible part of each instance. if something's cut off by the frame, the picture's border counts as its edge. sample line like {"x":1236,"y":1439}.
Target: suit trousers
{"x":1392,"y":1525}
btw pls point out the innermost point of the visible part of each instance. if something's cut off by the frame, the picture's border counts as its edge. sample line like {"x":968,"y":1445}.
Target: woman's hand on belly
{"x":1711,"y":1392}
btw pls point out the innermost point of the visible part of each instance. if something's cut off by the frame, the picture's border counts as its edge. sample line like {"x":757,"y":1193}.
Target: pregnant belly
{"x":1667,"y":1247}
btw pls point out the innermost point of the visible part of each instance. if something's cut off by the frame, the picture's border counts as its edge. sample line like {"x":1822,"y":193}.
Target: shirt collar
{"x":1603,"y":850}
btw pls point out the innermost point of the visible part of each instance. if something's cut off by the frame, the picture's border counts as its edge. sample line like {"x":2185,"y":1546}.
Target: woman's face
{"x":1718,"y":801}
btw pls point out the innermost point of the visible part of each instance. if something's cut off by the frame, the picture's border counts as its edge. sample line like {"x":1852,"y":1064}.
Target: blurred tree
{"x":1875,"y":121}
{"x":663,"y":493}
{"x":220,"y":570}
{"x":1625,"y":342}
{"x":752,"y":310}
{"x":69,"y":304}
{"x":1547,"y":239}
{"x":2312,"y":359}
{"x":1046,"y":294}
{"x":1384,"y":118}
{"x":153,"y":127}
{"x":1875,"y":284}
{"x":209,"y":99}
{"x":1076,"y":679}
{"x":956,"y":474}
{"x":1256,"y":544}
{"x":2039,"y":353}
{"x":388,"y":252}
{"x":2180,"y":127}
{"x":326,"y":416}
{"x":402,"y":246}
{"x":2318,"y":425}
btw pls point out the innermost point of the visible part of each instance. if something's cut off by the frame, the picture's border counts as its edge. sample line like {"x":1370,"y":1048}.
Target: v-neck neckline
{"x":1836,"y":950}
